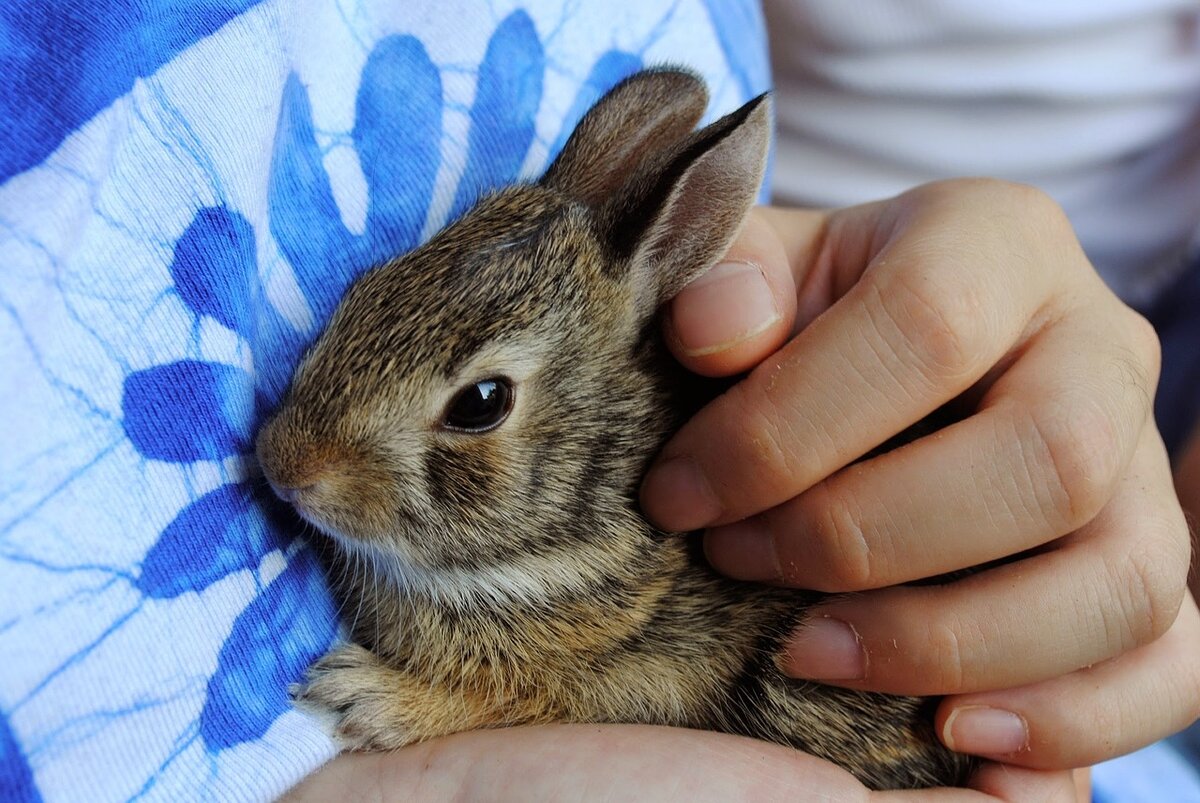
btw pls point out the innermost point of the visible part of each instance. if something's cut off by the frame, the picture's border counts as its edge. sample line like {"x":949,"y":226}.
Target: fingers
{"x":915,"y":331}
{"x":1038,"y":460}
{"x":1091,"y":715}
{"x":1095,"y":595}
{"x":729,"y":319}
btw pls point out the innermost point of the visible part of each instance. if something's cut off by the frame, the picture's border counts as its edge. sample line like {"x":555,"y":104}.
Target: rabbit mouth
{"x":301,"y":499}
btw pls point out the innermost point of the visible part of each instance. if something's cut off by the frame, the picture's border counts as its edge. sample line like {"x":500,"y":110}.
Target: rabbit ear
{"x":677,"y":217}
{"x":644,"y":115}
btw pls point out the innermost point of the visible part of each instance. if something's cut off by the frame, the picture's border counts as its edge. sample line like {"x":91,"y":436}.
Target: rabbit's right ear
{"x":645,"y":115}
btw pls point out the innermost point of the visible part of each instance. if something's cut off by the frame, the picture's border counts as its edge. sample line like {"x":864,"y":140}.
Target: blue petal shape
{"x":277,"y":349}
{"x":507,"y":96}
{"x":304,"y":217}
{"x":188,"y":410}
{"x":16,"y":779}
{"x":740,"y":30}
{"x":272,"y":642}
{"x":222,"y":532}
{"x":607,"y":72}
{"x":397,"y":131}
{"x":62,"y":66}
{"x":215,"y":269}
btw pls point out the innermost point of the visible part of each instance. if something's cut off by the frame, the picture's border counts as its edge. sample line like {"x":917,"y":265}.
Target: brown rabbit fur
{"x":506,"y":576}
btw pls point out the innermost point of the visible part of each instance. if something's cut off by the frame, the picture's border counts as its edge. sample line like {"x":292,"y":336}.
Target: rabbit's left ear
{"x":678,"y":215}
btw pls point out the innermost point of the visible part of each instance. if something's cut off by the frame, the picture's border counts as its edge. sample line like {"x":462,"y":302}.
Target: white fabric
{"x":1095,"y":101}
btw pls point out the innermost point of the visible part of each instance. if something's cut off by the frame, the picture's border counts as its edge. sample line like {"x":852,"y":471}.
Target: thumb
{"x":733,"y":316}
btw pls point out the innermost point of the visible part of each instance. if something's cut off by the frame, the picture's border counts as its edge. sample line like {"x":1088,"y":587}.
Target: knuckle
{"x":767,"y":441}
{"x":1067,"y":735}
{"x":1009,"y":205}
{"x":1076,"y":451}
{"x":945,"y":667}
{"x":838,"y":538}
{"x":1024,"y":201}
{"x":1031,"y":204}
{"x":936,"y":326}
{"x":1131,"y":376}
{"x":1150,"y":588}
{"x":1035,"y":202}
{"x":1145,"y":348}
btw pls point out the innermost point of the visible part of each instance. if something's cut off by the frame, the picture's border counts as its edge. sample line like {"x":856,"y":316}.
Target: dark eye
{"x":480,"y":407}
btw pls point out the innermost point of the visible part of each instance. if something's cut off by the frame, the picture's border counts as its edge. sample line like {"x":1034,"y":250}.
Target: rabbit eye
{"x":480,"y":407}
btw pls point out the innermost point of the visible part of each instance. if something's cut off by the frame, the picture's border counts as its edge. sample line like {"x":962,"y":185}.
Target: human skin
{"x":1065,"y":605}
{"x":974,"y":291}
{"x":632,"y":762}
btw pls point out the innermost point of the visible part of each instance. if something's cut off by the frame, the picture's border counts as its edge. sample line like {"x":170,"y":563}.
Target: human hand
{"x":974,"y":292}
{"x":630,"y":762}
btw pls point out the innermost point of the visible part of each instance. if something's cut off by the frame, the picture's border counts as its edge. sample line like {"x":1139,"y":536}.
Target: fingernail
{"x":826,"y":649}
{"x":676,"y":495}
{"x":980,"y":730}
{"x":744,"y":551}
{"x":730,"y":303}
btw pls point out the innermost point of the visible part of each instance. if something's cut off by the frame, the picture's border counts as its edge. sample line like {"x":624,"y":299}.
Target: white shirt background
{"x":1095,"y":101}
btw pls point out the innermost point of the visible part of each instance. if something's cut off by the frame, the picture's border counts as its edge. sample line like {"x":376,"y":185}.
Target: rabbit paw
{"x":359,"y":699}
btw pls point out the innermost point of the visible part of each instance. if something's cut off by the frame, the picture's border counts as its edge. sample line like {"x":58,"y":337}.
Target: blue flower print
{"x":191,"y":410}
{"x":100,"y":35}
{"x":16,"y":779}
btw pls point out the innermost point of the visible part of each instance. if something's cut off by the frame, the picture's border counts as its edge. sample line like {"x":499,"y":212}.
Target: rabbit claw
{"x":354,"y":695}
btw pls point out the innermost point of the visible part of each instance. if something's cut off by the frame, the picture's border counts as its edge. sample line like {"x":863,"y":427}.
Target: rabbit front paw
{"x":360,"y":699}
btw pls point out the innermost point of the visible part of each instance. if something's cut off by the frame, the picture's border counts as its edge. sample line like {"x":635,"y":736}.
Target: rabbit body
{"x":505,"y":576}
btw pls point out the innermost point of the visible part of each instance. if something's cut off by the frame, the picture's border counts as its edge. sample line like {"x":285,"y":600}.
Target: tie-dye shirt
{"x":186,"y":188}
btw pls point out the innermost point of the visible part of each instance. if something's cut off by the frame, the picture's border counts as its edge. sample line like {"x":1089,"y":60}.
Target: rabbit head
{"x":494,"y":395}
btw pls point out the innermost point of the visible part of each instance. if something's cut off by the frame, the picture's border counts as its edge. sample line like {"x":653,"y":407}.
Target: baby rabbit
{"x":471,"y":429}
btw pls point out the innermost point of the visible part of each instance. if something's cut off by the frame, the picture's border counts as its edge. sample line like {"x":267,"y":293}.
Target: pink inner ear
{"x":706,"y":199}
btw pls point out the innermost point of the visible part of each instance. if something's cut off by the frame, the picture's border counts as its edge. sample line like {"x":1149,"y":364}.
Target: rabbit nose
{"x":292,"y":461}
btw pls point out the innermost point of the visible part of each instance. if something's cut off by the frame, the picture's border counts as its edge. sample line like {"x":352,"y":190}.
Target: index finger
{"x":926,"y":314}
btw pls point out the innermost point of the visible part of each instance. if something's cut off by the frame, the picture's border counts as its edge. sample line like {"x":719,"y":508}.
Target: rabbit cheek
{"x":466,"y":483}
{"x":352,"y":501}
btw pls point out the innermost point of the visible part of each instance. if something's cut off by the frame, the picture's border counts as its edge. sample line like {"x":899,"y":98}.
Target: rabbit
{"x":470,"y":431}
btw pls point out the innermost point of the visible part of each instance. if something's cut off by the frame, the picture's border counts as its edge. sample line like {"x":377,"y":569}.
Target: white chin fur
{"x":522,"y":581}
